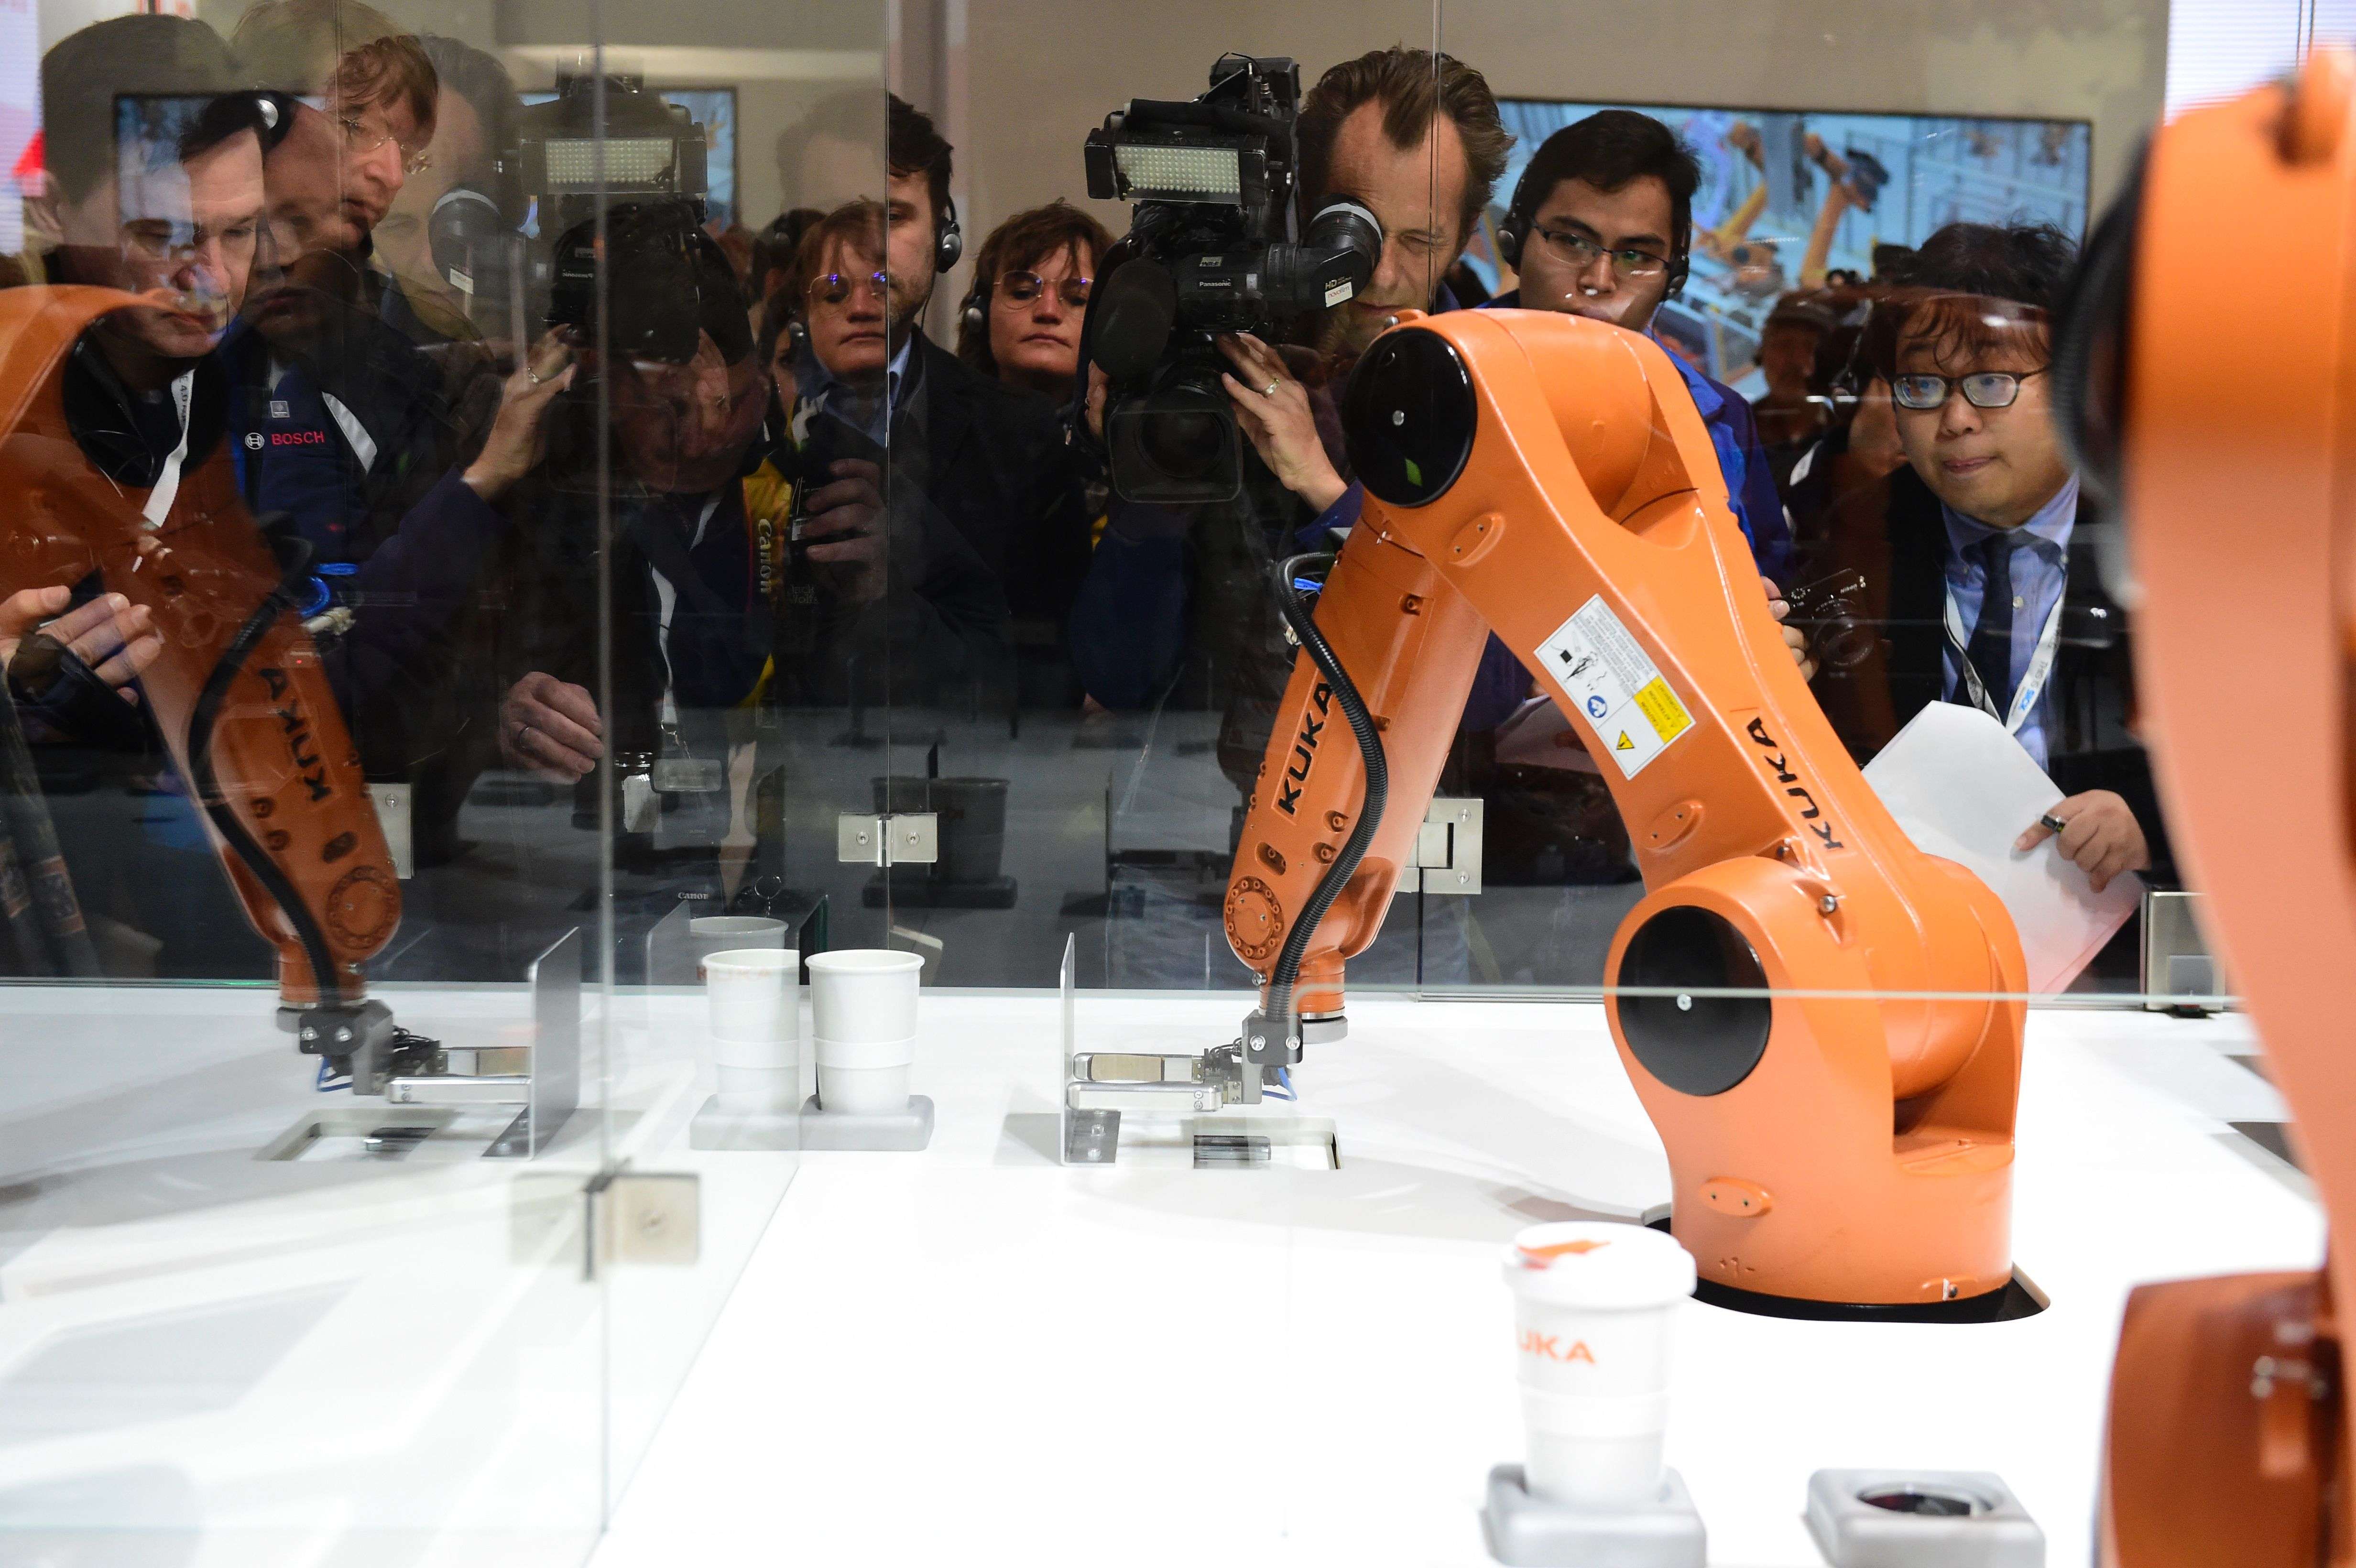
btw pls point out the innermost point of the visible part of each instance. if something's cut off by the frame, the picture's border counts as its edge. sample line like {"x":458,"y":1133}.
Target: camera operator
{"x":686,"y":394}
{"x":903,"y":582}
{"x":1176,"y":593}
{"x":1415,"y":139}
{"x":1994,"y":595}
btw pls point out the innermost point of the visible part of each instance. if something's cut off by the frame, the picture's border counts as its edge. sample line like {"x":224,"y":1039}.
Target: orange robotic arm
{"x":244,"y":708}
{"x":2228,"y":443}
{"x":1849,"y":1138}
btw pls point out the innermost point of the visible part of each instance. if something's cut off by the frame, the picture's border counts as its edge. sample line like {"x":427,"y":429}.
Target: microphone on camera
{"x":1131,"y":317}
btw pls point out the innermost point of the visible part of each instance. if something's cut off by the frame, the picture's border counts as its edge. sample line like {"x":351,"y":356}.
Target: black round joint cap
{"x":1694,"y":1044}
{"x":1409,"y":416}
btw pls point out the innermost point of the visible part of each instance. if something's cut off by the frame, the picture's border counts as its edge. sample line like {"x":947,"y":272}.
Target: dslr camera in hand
{"x":1216,"y":245}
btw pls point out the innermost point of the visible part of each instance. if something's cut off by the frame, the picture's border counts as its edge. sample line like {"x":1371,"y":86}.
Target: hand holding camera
{"x":1272,"y":409}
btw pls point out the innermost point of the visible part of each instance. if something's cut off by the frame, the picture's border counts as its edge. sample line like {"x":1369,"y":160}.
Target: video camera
{"x":652,"y":151}
{"x":1215,"y":246}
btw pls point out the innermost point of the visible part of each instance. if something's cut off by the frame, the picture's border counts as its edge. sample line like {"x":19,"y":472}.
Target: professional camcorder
{"x":1216,"y":245}
{"x":555,"y":169}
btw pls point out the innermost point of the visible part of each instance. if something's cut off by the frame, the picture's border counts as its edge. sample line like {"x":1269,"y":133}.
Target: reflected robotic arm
{"x":238,"y":693}
{"x":1849,"y":1138}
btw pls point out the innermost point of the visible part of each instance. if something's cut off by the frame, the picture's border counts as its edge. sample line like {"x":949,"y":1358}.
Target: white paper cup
{"x":1593,"y":1307}
{"x":769,"y":1055}
{"x":759,"y":1091}
{"x":727,"y":932}
{"x":865,"y":1090}
{"x":863,"y":1075}
{"x":864,"y":993}
{"x":751,"y":995}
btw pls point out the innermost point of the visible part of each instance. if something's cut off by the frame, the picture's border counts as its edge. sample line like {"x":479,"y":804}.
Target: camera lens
{"x":1183,"y":443}
{"x":1846,"y":642}
{"x":1175,"y":446}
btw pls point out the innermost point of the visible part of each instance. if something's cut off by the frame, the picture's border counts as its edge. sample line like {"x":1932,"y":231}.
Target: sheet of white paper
{"x":1963,"y":790}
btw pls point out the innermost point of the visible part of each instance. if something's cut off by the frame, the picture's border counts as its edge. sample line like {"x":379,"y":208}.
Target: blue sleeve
{"x":1127,"y":626}
{"x":1341,"y":514}
{"x":410,"y":590}
{"x":1758,"y":506}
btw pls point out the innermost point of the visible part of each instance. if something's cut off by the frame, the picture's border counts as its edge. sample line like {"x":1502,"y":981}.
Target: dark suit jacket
{"x":2089,"y":740}
{"x":995,"y":465}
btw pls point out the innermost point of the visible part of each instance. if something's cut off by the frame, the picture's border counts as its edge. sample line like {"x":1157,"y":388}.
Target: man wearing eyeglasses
{"x":1994,"y":600}
{"x":341,"y":424}
{"x":1600,"y":225}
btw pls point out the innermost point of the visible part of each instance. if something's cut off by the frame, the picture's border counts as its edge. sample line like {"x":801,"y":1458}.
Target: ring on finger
{"x":1269,"y":390}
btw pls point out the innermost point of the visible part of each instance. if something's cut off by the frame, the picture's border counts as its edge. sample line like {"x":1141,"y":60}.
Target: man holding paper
{"x":1995,"y":598}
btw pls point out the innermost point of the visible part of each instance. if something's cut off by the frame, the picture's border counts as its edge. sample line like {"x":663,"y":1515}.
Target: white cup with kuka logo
{"x":1593,"y":1306}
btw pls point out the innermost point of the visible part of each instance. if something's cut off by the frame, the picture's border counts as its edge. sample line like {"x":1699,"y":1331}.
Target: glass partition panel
{"x":314,"y":1287}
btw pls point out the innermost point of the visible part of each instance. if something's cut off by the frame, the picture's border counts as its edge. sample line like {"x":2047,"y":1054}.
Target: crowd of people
{"x":715,"y":476}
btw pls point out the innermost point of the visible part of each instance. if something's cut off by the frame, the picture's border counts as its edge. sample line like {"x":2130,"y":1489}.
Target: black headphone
{"x":1521,"y":214}
{"x":948,"y":242}
{"x":974,"y":309}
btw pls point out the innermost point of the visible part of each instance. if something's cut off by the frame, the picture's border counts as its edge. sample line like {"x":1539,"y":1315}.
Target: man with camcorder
{"x":1368,"y":193}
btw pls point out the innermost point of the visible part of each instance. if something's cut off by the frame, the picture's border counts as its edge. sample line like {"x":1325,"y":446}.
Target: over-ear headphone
{"x":948,"y":245}
{"x":1520,"y":214}
{"x":974,"y":309}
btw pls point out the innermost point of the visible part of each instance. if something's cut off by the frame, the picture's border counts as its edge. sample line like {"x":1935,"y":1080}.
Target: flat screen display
{"x":1761,"y":226}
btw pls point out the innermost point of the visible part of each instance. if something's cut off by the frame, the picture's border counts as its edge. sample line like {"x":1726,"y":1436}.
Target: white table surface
{"x":974,"y":1355}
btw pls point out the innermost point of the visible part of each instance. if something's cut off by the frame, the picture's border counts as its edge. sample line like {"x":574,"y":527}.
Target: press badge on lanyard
{"x":167,"y":482}
{"x":2032,"y":681}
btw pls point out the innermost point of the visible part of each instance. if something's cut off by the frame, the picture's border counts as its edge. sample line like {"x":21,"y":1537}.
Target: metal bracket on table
{"x":644,"y":1217}
{"x":898,"y":839}
{"x":545,"y":1079}
{"x":1100,"y":1086}
{"x":1447,"y":849}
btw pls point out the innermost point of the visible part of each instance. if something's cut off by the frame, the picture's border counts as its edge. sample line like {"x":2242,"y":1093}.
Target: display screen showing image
{"x":1788,"y":196}
{"x":714,"y":109}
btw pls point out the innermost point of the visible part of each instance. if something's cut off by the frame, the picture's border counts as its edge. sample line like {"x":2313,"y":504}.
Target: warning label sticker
{"x":1608,"y":681}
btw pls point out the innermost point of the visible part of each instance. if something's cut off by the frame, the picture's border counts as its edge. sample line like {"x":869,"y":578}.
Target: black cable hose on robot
{"x":1282,"y":978}
{"x":201,"y":721}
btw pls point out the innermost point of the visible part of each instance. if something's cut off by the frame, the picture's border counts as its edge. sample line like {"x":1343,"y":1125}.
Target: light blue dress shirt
{"x":819,"y":389}
{"x":2040,"y":571}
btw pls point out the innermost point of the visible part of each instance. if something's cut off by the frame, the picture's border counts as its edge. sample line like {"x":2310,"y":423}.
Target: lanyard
{"x":167,"y":482}
{"x":2032,"y":682}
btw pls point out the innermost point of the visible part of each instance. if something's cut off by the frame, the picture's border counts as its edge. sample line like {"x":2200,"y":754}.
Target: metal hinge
{"x":908,"y":838}
{"x":644,"y":1217}
{"x":1447,"y":849}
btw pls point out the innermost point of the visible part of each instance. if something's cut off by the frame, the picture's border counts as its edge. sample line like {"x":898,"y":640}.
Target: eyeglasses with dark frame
{"x":1016,"y":286}
{"x":362,"y":140}
{"x":833,"y":288}
{"x":1578,"y":253}
{"x":1982,"y":389}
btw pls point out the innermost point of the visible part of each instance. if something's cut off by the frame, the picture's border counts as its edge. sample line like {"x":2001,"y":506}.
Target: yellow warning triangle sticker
{"x":1625,"y":744}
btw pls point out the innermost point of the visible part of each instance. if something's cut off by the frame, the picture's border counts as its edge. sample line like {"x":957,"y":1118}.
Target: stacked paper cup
{"x":756,"y":1028}
{"x":711,"y":933}
{"x":863,"y":1015}
{"x":1593,"y":1306}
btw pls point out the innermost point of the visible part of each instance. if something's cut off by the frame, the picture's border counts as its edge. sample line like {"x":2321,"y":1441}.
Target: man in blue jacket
{"x":1600,"y":226}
